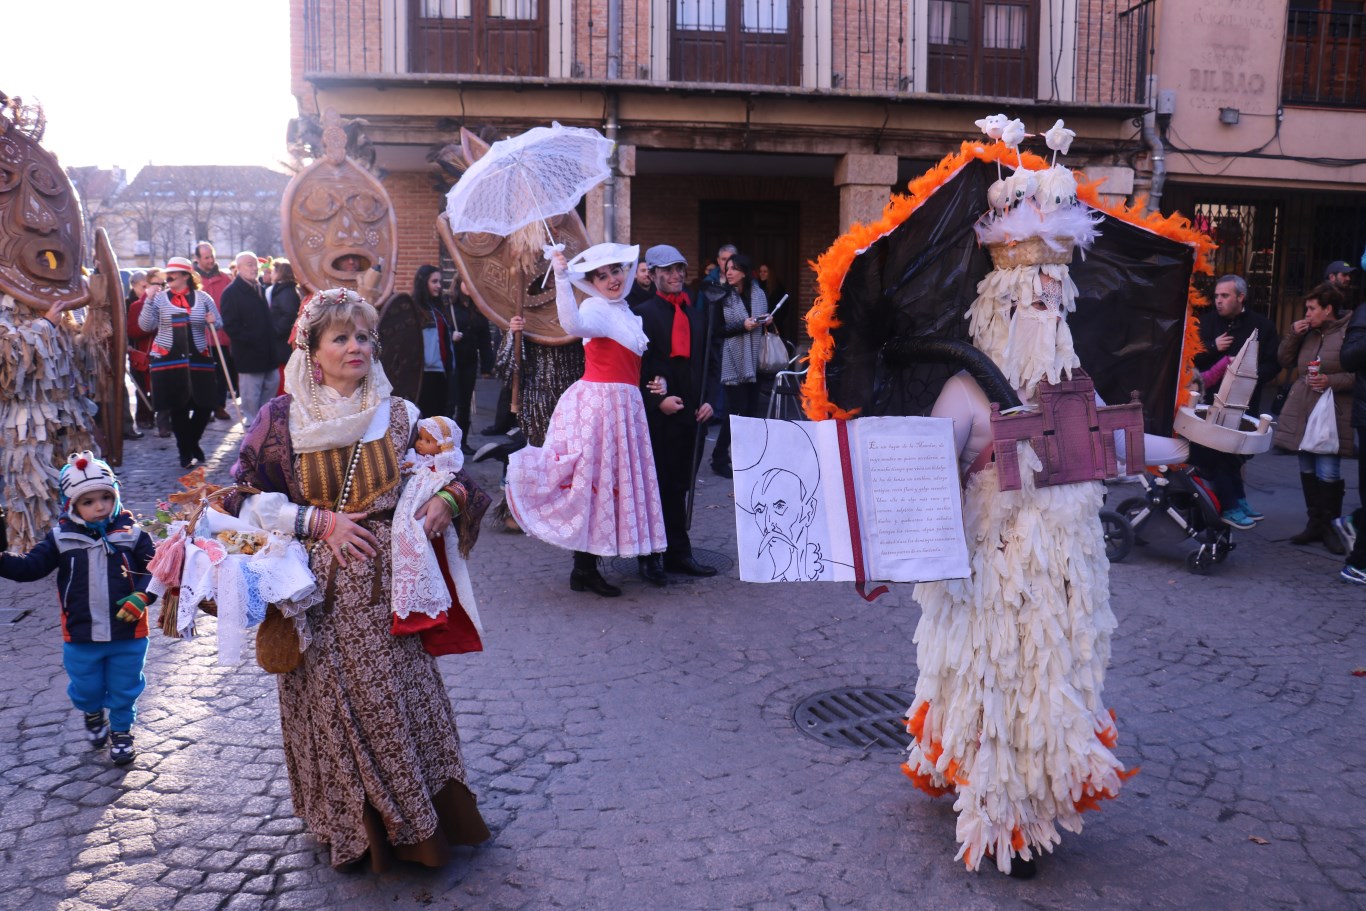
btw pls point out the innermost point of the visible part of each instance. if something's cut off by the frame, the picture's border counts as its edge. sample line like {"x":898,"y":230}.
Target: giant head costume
{"x":338,"y":220}
{"x":40,"y":222}
{"x":57,"y":372}
{"x":507,"y":275}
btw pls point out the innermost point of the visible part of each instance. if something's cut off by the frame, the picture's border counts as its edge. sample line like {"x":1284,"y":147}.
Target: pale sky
{"x":153,"y":80}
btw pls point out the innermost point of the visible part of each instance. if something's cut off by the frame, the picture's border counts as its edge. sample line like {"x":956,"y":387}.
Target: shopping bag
{"x":1321,"y":430}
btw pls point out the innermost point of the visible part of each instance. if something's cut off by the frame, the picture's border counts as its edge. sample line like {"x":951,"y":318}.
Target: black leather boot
{"x":688,"y":566}
{"x":501,"y":449}
{"x":1313,"y":505}
{"x":652,"y":570}
{"x":585,"y":577}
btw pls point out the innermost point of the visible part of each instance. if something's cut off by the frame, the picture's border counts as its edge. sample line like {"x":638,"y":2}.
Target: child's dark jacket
{"x":90,"y":580}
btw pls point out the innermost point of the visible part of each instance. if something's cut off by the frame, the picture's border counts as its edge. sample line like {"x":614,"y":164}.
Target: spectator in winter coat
{"x":1314,"y":347}
{"x":283,"y":301}
{"x":246,"y":319}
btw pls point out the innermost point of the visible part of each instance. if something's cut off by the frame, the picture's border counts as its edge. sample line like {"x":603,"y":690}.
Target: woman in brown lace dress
{"x":369,"y":733}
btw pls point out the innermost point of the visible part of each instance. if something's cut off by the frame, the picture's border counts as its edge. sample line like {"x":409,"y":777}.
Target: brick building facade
{"x":771,"y":124}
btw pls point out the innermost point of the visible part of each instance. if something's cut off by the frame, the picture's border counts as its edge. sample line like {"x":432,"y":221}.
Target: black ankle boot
{"x":1313,"y":507}
{"x":501,"y":449}
{"x":585,"y":577}
{"x":652,"y":570}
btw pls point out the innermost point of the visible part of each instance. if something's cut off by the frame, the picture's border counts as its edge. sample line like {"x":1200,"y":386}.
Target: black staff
{"x":700,"y":436}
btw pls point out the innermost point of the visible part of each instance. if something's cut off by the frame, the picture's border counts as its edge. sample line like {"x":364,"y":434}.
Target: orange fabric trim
{"x":916,"y":725}
{"x":832,"y":266}
{"x":924,"y":782}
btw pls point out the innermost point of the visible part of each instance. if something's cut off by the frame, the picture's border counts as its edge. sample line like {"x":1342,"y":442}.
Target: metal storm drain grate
{"x":856,"y":718}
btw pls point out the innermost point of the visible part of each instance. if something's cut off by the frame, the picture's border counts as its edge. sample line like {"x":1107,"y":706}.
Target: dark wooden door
{"x":766,"y":232}
{"x":478,"y":37}
{"x":747,"y":42}
{"x":977,"y":47}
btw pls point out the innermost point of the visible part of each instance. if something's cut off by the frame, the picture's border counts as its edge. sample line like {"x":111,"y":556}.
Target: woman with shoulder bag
{"x":370,"y":738}
{"x":1314,"y":347}
{"x":744,"y":315}
{"x":184,"y":370}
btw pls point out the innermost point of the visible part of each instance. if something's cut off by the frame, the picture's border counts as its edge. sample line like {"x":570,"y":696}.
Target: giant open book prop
{"x":872,"y":499}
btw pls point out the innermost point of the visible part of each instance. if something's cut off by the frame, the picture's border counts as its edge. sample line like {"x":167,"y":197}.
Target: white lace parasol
{"x":544,"y":171}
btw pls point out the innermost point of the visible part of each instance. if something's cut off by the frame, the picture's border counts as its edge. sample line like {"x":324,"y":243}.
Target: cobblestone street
{"x":640,"y":752}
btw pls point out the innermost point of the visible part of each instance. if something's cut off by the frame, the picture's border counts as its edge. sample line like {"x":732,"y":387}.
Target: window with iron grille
{"x":1247,"y":236}
{"x":1325,"y":58}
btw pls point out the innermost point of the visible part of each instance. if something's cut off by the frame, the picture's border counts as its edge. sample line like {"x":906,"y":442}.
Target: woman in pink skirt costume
{"x":592,"y":487}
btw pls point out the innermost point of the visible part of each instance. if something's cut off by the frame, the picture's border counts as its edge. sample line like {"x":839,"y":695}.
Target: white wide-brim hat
{"x":599,"y":255}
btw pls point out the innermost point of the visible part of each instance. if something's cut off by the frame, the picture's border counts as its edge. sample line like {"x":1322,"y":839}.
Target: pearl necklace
{"x":350,"y":476}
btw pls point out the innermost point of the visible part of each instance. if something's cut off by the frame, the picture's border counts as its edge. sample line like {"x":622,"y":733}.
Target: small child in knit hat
{"x":101,"y":556}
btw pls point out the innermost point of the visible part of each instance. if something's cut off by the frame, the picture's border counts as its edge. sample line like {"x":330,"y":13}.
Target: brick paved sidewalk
{"x":640,"y":753}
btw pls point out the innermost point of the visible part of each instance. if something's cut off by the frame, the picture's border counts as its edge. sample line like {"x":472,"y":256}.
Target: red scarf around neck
{"x":680,"y":340}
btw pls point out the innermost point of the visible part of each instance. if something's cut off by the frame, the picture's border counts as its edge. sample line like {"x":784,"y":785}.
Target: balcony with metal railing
{"x":1097,"y":55}
{"x":1325,"y":58}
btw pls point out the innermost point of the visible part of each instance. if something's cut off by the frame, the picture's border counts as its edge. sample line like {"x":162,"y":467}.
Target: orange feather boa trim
{"x":833,"y":265}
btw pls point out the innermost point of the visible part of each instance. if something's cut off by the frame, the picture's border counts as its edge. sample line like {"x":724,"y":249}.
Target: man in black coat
{"x":1226,"y":326}
{"x":1224,"y":329}
{"x":677,"y":330}
{"x":246,"y":319}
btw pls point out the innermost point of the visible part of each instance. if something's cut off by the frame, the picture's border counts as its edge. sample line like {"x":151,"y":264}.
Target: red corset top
{"x":606,"y":361}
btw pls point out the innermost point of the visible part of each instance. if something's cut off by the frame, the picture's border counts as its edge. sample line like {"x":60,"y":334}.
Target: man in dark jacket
{"x":677,"y":330}
{"x":1225,"y":327}
{"x":246,"y":319}
{"x":1354,"y":358}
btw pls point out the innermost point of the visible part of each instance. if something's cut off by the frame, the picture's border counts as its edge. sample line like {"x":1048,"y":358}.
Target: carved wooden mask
{"x":40,"y":225}
{"x":506,"y":273}
{"x":338,"y":219}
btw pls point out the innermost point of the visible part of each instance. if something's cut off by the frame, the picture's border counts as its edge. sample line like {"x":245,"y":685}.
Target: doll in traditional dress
{"x":431,"y":579}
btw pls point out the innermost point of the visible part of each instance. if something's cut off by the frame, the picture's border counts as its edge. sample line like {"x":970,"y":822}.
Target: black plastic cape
{"x":919,"y":280}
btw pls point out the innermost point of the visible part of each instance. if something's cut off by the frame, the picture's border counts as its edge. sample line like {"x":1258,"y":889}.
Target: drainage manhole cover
{"x":718,"y":561}
{"x":856,"y":717}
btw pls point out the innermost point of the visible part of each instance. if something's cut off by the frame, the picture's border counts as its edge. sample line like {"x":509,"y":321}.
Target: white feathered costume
{"x":1008,"y":712}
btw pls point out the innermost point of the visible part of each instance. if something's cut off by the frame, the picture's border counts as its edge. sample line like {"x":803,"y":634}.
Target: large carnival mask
{"x":338,"y":221}
{"x":508,"y":275}
{"x":40,"y":225}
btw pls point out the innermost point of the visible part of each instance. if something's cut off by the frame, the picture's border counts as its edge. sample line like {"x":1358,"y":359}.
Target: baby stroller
{"x":1181,"y":495}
